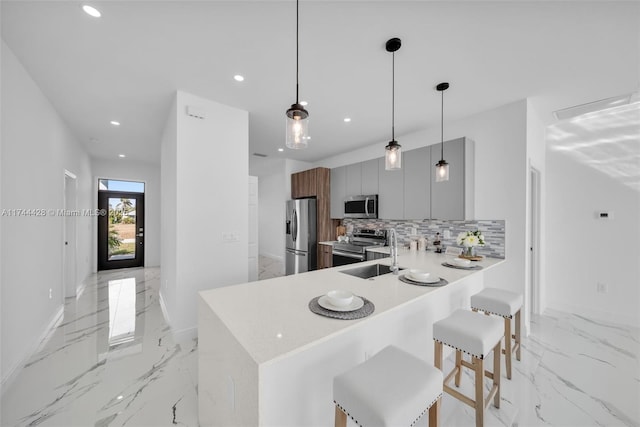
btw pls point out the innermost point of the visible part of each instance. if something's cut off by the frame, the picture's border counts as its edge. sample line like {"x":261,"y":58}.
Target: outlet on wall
{"x":447,"y":234}
{"x":602,"y":288}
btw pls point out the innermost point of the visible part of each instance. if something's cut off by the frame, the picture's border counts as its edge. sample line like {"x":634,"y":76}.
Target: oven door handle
{"x":349,"y":255}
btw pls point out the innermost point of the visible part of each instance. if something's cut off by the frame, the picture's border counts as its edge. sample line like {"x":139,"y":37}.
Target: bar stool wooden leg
{"x":437,"y":355}
{"x":478,"y":367}
{"x":458,"y":367}
{"x":518,"y":334}
{"x":496,"y":374}
{"x":341,"y":418}
{"x":507,"y":345}
{"x":434,"y":414}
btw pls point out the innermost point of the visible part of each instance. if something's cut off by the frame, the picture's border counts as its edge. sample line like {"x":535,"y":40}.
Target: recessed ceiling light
{"x":91,"y":11}
{"x":121,"y":155}
{"x":238,"y":78}
{"x":281,"y":149}
{"x":304,"y":103}
{"x":113,"y":122}
{"x":347,"y":119}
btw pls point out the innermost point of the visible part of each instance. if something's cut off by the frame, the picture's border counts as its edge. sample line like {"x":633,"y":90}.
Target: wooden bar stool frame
{"x":479,"y":403}
{"x":434,"y":415}
{"x":508,"y":336}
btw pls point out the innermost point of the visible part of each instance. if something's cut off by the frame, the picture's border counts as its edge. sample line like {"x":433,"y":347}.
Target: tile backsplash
{"x":493,"y":231}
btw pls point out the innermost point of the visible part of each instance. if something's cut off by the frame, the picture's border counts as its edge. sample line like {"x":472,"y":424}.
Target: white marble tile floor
{"x":268,"y":268}
{"x":112,"y":361}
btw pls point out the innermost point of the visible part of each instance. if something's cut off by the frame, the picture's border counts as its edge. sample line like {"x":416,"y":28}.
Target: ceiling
{"x":127,"y":65}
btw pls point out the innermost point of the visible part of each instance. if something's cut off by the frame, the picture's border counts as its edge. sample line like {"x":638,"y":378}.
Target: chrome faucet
{"x":393,"y":243}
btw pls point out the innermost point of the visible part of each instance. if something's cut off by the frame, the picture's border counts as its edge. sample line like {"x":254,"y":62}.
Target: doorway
{"x":534,"y":241}
{"x":121,"y":228}
{"x":69,"y":254}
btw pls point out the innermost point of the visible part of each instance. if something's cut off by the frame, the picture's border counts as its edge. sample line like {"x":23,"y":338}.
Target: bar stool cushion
{"x":472,"y":333}
{"x":392,"y":388}
{"x":497,"y":301}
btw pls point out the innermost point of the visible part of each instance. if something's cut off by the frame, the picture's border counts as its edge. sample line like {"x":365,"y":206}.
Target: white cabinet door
{"x":354,"y":180}
{"x":448,"y":198}
{"x":417,"y":183}
{"x":253,"y":228}
{"x":390,"y":192}
{"x":370,"y":177}
{"x":338,"y":191}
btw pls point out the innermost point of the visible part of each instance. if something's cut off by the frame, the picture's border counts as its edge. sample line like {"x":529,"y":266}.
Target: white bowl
{"x":461,"y":262}
{"x":340,"y":298}
{"x":419,"y":274}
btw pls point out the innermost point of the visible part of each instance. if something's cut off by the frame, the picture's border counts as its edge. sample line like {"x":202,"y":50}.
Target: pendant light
{"x":393,"y":151}
{"x":297,"y":123}
{"x":442,"y":167}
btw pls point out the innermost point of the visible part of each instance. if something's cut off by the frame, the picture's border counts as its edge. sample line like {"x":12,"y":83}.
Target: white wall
{"x":584,"y":251}
{"x":274,"y":191}
{"x":210,"y":159}
{"x":149,"y":173}
{"x":37,"y":147}
{"x":500,"y":176}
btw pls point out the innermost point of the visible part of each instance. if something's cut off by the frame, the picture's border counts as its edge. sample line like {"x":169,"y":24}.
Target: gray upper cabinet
{"x":338,"y":191}
{"x":354,"y":179}
{"x":370,"y":177}
{"x":390,"y":192}
{"x":417,"y":183}
{"x":448,"y":197}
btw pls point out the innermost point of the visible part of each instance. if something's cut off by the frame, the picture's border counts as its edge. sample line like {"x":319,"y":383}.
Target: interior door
{"x":121,"y":230}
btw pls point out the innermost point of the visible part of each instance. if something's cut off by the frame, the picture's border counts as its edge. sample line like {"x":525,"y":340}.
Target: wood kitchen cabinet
{"x":304,"y":184}
{"x":325,"y":256}
{"x":316,"y":183}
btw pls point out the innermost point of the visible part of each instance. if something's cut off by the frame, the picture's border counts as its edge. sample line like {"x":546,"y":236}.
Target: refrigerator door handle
{"x":297,"y":253}
{"x":295,"y":225}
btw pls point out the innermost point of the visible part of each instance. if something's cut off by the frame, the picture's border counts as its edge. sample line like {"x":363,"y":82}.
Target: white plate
{"x":356,"y":304}
{"x":427,"y":280}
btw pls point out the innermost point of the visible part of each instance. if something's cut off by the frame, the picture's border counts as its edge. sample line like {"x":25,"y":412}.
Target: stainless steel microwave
{"x":361,"y":207}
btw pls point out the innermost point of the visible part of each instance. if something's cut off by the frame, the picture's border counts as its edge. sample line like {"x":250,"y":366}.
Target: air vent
{"x":196,"y":112}
{"x":259,"y":155}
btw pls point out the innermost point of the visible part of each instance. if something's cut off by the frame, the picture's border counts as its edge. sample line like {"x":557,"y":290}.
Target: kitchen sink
{"x":369,"y":271}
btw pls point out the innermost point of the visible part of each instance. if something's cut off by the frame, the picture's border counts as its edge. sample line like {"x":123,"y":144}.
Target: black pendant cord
{"x":297,"y":49}
{"x":393,"y":95}
{"x":442,"y":126}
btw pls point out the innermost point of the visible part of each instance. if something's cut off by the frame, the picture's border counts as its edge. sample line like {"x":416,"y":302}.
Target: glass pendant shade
{"x":442,"y":171}
{"x":393,"y":156}
{"x":297,"y":130}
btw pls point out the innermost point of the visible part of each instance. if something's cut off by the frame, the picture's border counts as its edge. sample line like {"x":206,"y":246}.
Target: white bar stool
{"x":476,"y":335}
{"x":392,"y":388}
{"x":506,"y":304}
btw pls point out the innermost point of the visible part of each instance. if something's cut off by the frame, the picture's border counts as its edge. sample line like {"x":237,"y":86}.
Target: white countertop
{"x":329,"y":243}
{"x":271,"y":318}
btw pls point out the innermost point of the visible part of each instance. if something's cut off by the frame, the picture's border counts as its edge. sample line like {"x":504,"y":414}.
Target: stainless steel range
{"x":356,"y":250}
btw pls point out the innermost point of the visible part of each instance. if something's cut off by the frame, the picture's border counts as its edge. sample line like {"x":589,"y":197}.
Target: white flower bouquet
{"x":469,"y":240}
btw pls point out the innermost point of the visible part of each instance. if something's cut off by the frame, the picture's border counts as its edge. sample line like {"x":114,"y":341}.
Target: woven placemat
{"x":363,"y":311}
{"x":404,"y":279}
{"x":473,"y":267}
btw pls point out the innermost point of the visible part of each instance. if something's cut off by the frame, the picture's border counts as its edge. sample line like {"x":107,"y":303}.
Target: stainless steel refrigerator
{"x":301,"y":236}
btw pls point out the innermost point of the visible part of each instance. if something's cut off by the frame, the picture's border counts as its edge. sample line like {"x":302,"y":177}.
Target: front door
{"x":121,"y":230}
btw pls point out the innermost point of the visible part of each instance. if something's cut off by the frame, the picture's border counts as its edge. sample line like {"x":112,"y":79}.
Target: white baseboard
{"x":595,"y":314}
{"x":35,"y":346}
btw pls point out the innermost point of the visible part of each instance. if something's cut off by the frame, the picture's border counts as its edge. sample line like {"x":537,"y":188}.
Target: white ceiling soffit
{"x":127,"y":64}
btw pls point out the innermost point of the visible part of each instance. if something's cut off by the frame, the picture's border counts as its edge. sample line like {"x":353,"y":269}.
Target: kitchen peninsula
{"x":265,"y":359}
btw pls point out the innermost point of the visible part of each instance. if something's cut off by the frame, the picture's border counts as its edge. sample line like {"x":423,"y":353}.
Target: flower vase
{"x":469,"y":252}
